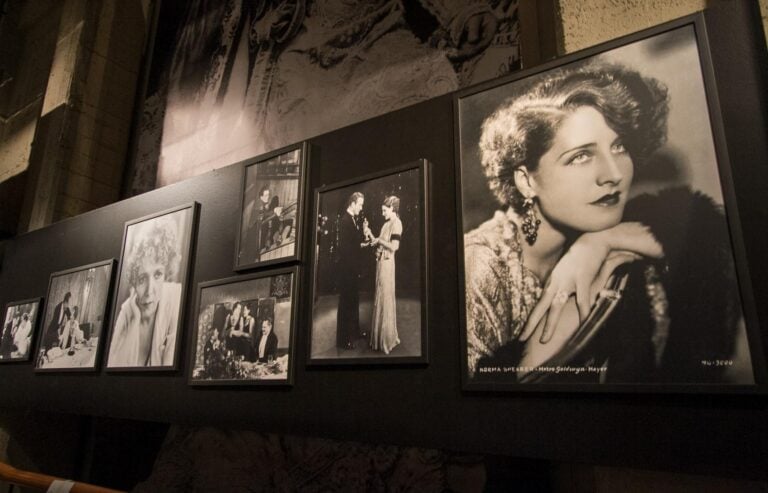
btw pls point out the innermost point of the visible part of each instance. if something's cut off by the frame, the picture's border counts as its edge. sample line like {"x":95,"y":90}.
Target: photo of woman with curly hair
{"x":607,"y":258}
{"x":152,"y":276}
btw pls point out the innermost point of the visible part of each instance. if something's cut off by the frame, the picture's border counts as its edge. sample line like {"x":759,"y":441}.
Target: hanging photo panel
{"x":245,"y":329}
{"x":75,"y":318}
{"x":598,"y":228}
{"x":369,"y":289}
{"x":151,"y":290}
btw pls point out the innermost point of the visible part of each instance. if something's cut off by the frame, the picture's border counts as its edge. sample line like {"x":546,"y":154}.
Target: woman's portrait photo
{"x":18,"y":330}
{"x":153,"y":275}
{"x":596,"y":246}
{"x":245,"y":329}
{"x":369,"y":285}
{"x":75,"y":313}
{"x":271,"y":209}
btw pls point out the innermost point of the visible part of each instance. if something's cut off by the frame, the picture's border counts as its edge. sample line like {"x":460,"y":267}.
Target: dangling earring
{"x":530,"y":221}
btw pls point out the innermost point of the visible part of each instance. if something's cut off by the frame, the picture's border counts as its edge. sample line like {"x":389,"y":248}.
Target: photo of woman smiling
{"x":606,"y":257}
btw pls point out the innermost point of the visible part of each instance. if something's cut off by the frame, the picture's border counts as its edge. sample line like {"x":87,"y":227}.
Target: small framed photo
{"x":18,"y":330}
{"x":369,"y":288}
{"x":599,"y":231}
{"x":244,"y":330}
{"x":75,"y":318}
{"x":271,"y":208}
{"x":151,"y":289}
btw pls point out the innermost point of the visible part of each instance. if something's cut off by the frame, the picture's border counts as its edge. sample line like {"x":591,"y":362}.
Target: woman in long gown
{"x":384,"y":320}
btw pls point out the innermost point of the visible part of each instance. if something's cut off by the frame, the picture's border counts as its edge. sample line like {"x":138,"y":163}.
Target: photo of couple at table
{"x":74,"y":318}
{"x":244,"y":329}
{"x":369,"y":279}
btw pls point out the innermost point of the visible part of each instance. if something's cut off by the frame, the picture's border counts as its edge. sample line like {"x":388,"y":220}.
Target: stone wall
{"x":82,"y":139}
{"x":66,"y":106}
{"x":27,"y":40}
{"x":584,"y":23}
{"x":102,"y":109}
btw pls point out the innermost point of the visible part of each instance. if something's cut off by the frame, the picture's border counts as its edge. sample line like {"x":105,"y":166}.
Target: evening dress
{"x":384,"y":335}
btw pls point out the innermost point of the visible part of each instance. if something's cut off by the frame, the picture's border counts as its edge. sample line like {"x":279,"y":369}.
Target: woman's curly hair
{"x":521,"y":130}
{"x":159,"y":244}
{"x":393,"y":202}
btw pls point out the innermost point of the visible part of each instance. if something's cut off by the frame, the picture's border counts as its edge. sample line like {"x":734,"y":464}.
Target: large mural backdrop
{"x":233,"y":79}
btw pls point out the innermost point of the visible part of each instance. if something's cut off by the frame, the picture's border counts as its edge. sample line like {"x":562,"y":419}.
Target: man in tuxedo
{"x":9,"y":332}
{"x":351,"y":241}
{"x":60,"y":316}
{"x":276,"y":225}
{"x":266,"y":345}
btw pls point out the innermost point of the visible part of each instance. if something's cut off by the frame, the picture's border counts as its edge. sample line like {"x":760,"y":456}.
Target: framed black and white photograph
{"x":369,"y":293}
{"x":271,"y":208}
{"x":600,"y":238}
{"x":245,"y":328}
{"x":18,"y":330}
{"x":75,"y":318}
{"x":151,"y":289}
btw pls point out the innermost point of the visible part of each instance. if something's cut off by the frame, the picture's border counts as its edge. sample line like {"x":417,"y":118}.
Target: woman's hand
{"x":583,"y":271}
{"x":573,"y":274}
{"x":131,"y":308}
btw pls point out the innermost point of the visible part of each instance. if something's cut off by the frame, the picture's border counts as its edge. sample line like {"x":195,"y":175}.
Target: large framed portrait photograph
{"x":151,"y":289}
{"x":245,"y":329}
{"x":369,"y":293}
{"x":75,"y":317}
{"x":271,"y":208}
{"x":598,"y":226}
{"x":18,"y":329}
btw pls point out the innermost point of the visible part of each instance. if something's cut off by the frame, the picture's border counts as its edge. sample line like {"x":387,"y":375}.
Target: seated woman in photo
{"x":64,"y":335}
{"x":572,"y":271}
{"x":238,"y":341}
{"x":72,"y":334}
{"x":248,"y":326}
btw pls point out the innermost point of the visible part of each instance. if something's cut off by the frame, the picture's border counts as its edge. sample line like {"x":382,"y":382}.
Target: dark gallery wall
{"x":423,"y":404}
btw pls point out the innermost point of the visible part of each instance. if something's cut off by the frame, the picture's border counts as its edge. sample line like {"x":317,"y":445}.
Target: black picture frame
{"x":471,"y":108}
{"x":285,"y":168}
{"x":8,"y":340}
{"x":329,"y":262}
{"x":207,"y":346}
{"x":177,"y":226}
{"x":99,"y":275}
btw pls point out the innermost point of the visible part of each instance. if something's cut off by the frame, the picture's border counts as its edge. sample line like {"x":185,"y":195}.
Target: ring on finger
{"x":561,"y":297}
